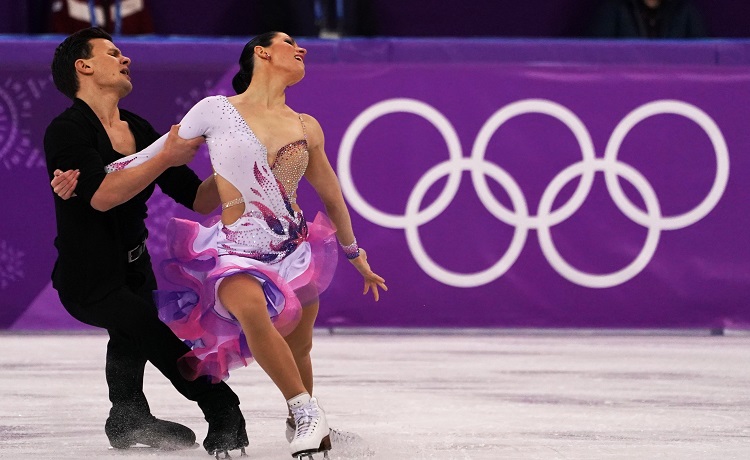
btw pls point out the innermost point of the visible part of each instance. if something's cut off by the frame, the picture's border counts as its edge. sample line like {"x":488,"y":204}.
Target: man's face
{"x":110,"y":70}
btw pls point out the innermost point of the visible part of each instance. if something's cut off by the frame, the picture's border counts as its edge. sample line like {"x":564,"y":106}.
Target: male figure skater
{"x":103,"y":272}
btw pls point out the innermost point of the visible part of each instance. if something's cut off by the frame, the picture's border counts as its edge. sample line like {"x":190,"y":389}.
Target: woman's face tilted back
{"x":287,"y":57}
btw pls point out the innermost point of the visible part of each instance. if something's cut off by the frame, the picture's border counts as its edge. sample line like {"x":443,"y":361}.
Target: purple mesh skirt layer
{"x":195,"y":314}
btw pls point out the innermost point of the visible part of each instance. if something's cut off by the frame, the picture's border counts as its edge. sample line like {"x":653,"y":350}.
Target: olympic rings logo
{"x":519,"y":217}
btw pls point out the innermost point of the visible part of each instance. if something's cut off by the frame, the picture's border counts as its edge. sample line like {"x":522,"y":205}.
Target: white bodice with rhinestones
{"x":269,"y":227}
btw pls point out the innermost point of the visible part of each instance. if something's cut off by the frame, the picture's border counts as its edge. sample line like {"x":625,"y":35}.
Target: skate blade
{"x":325,"y":446}
{"x":144,"y":447}
{"x":309,"y":456}
{"x":226,"y":453}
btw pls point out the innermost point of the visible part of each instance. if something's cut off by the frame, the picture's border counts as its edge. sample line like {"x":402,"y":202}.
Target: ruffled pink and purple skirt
{"x":196,"y":315}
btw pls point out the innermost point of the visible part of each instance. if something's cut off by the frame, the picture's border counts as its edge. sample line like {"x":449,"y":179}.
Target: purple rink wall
{"x":494,"y":183}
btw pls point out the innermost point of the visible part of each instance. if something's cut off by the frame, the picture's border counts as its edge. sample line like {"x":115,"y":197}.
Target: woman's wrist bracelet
{"x":351,"y":250}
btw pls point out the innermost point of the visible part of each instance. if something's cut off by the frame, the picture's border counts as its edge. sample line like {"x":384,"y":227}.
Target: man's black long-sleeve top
{"x":92,"y":245}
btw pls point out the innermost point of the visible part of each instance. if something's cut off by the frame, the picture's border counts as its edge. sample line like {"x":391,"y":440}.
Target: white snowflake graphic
{"x":17,"y":101}
{"x":11,"y":264}
{"x":186,"y":102}
{"x":160,"y":209}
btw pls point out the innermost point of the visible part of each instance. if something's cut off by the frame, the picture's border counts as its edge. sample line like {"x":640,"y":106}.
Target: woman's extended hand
{"x":373,"y":281}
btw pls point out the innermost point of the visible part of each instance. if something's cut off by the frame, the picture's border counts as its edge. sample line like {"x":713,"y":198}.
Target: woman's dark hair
{"x":76,"y":46}
{"x":241,"y":81}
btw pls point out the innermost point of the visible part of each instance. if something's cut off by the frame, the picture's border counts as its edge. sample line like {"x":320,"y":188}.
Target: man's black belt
{"x":136,"y":252}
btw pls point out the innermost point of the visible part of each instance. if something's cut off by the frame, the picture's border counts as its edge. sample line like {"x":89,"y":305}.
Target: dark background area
{"x":395,"y":18}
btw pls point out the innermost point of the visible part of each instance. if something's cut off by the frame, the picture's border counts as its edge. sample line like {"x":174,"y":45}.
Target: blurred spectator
{"x":339,"y":18}
{"x":118,"y":17}
{"x":648,"y":19}
{"x":295,"y":17}
{"x":312,"y":18}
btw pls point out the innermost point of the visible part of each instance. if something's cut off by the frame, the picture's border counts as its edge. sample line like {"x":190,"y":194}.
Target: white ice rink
{"x":474,"y":395}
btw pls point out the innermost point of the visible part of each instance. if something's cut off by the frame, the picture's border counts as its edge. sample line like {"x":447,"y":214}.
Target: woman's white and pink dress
{"x":294,"y":260}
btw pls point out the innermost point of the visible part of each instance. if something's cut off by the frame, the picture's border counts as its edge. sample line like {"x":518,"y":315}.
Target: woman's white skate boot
{"x":338,"y":437}
{"x":311,"y":433}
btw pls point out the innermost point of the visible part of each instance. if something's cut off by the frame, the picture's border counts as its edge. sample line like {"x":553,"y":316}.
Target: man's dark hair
{"x":76,"y":46}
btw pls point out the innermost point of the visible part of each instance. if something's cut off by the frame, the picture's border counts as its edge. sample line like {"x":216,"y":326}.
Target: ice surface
{"x":421,"y":396}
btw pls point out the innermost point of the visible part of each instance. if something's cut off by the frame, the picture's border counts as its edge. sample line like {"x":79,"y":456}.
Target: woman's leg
{"x":300,"y":342}
{"x":242,"y":295}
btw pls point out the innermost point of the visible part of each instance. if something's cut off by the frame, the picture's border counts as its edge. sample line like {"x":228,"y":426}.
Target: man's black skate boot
{"x":150,"y":431}
{"x":226,"y":431}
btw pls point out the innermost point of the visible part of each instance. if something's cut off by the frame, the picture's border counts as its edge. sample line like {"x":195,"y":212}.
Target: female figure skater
{"x":254,"y":275}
